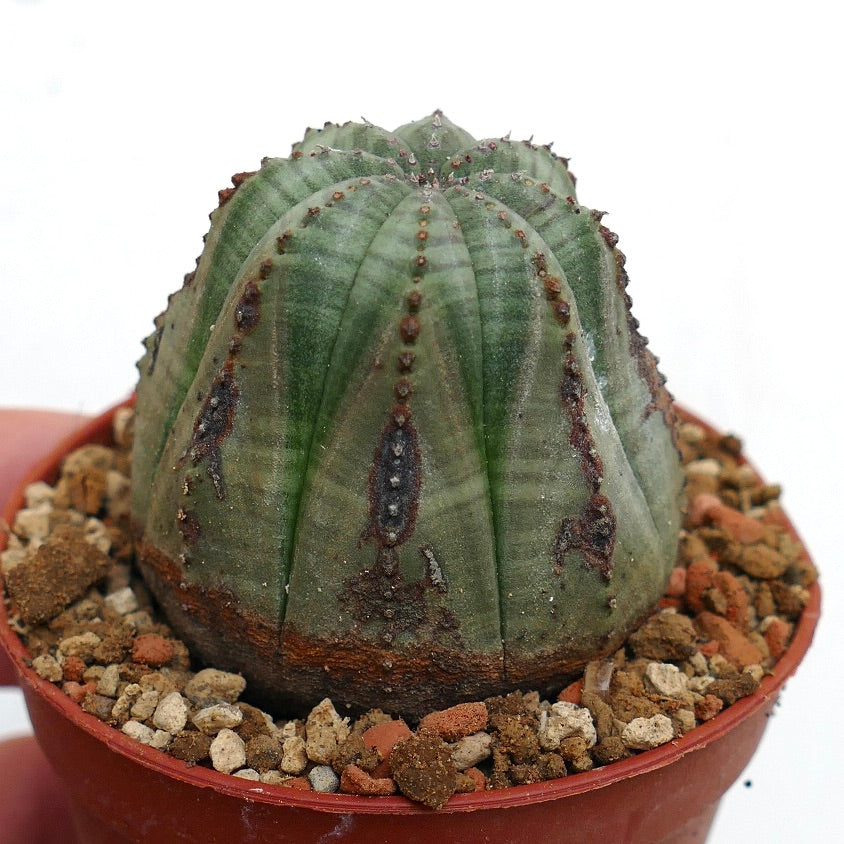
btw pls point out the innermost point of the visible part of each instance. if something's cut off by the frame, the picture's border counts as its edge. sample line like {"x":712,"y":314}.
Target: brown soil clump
{"x":423,"y":769}
{"x":58,"y":573}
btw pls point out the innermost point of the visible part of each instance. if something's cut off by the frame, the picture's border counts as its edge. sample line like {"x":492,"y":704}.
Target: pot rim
{"x":99,"y":429}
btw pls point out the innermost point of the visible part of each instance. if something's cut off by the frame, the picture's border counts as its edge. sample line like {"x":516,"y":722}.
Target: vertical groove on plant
{"x":241,"y":219}
{"x":329,"y":394}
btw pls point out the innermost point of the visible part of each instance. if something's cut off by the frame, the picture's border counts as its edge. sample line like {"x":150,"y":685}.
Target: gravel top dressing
{"x":91,"y":627}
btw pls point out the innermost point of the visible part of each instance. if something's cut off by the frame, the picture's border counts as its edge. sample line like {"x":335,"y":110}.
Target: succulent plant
{"x":398,"y":440}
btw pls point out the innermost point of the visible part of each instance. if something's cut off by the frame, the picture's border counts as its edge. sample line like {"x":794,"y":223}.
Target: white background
{"x":710,"y":132}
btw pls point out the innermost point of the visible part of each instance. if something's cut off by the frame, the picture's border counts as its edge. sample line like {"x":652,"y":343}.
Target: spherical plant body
{"x":398,"y":440}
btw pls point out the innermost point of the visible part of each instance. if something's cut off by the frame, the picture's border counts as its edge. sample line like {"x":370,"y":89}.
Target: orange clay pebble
{"x":355,"y":780}
{"x":152,"y":649}
{"x":735,"y":596}
{"x":478,"y":776}
{"x":676,"y":583}
{"x":734,"y":646}
{"x":776,"y":633}
{"x":384,"y":737}
{"x":709,"y":508}
{"x":300,"y":783}
{"x":700,"y":576}
{"x":572,"y":693}
{"x":708,"y":707}
{"x":456,"y":721}
{"x":73,"y":668}
{"x":76,"y":691}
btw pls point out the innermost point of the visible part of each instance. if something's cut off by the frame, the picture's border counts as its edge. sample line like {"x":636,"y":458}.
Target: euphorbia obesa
{"x":398,"y":440}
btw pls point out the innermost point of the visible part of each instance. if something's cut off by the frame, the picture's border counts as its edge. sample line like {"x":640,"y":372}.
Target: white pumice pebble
{"x":288,"y":729}
{"x":228,"y":752}
{"x":667,"y":679}
{"x":139,"y":732}
{"x":87,"y":456}
{"x":171,"y":714}
{"x":699,"y":684}
{"x":755,"y":671}
{"x":326,"y":730}
{"x":295,"y":758}
{"x":691,"y":432}
{"x":82,"y":645}
{"x":699,"y":663}
{"x":122,"y":426}
{"x":322,"y":778}
{"x":123,"y":707}
{"x":109,"y":681}
{"x":33,"y":522}
{"x":219,"y":716}
{"x":123,"y":601}
{"x":161,"y":739}
{"x":38,"y":494}
{"x":97,"y":534}
{"x":685,"y":720}
{"x":214,"y":686}
{"x":564,"y":720}
{"x":145,"y":705}
{"x":471,"y":750}
{"x":11,"y":557}
{"x":274,"y":777}
{"x":719,"y":666}
{"x":646,"y":733}
{"x":118,"y":494}
{"x":247,"y":774}
{"x":47,"y":667}
{"x":708,"y":466}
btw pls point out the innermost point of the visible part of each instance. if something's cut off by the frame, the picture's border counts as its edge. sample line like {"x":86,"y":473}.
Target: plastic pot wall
{"x":121,"y":790}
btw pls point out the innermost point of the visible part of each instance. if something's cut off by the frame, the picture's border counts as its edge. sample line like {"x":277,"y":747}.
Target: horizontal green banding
{"x":501,"y":158}
{"x":279,"y":370}
{"x":237,"y":226}
{"x":453,"y":520}
{"x":537,"y":478}
{"x":573,"y":236}
{"x":357,"y":136}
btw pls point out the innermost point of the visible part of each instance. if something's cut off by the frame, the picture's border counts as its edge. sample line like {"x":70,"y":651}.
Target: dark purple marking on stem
{"x":282,"y":242}
{"x":403,"y":389}
{"x":188,"y":526}
{"x":380,"y":594}
{"x":394,"y":482}
{"x":247,"y":312}
{"x":562,"y":312}
{"x":593,"y":532}
{"x":213,"y":424}
{"x":572,"y":392}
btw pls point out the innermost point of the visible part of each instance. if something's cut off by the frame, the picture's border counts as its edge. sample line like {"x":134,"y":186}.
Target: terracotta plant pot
{"x":121,"y":790}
